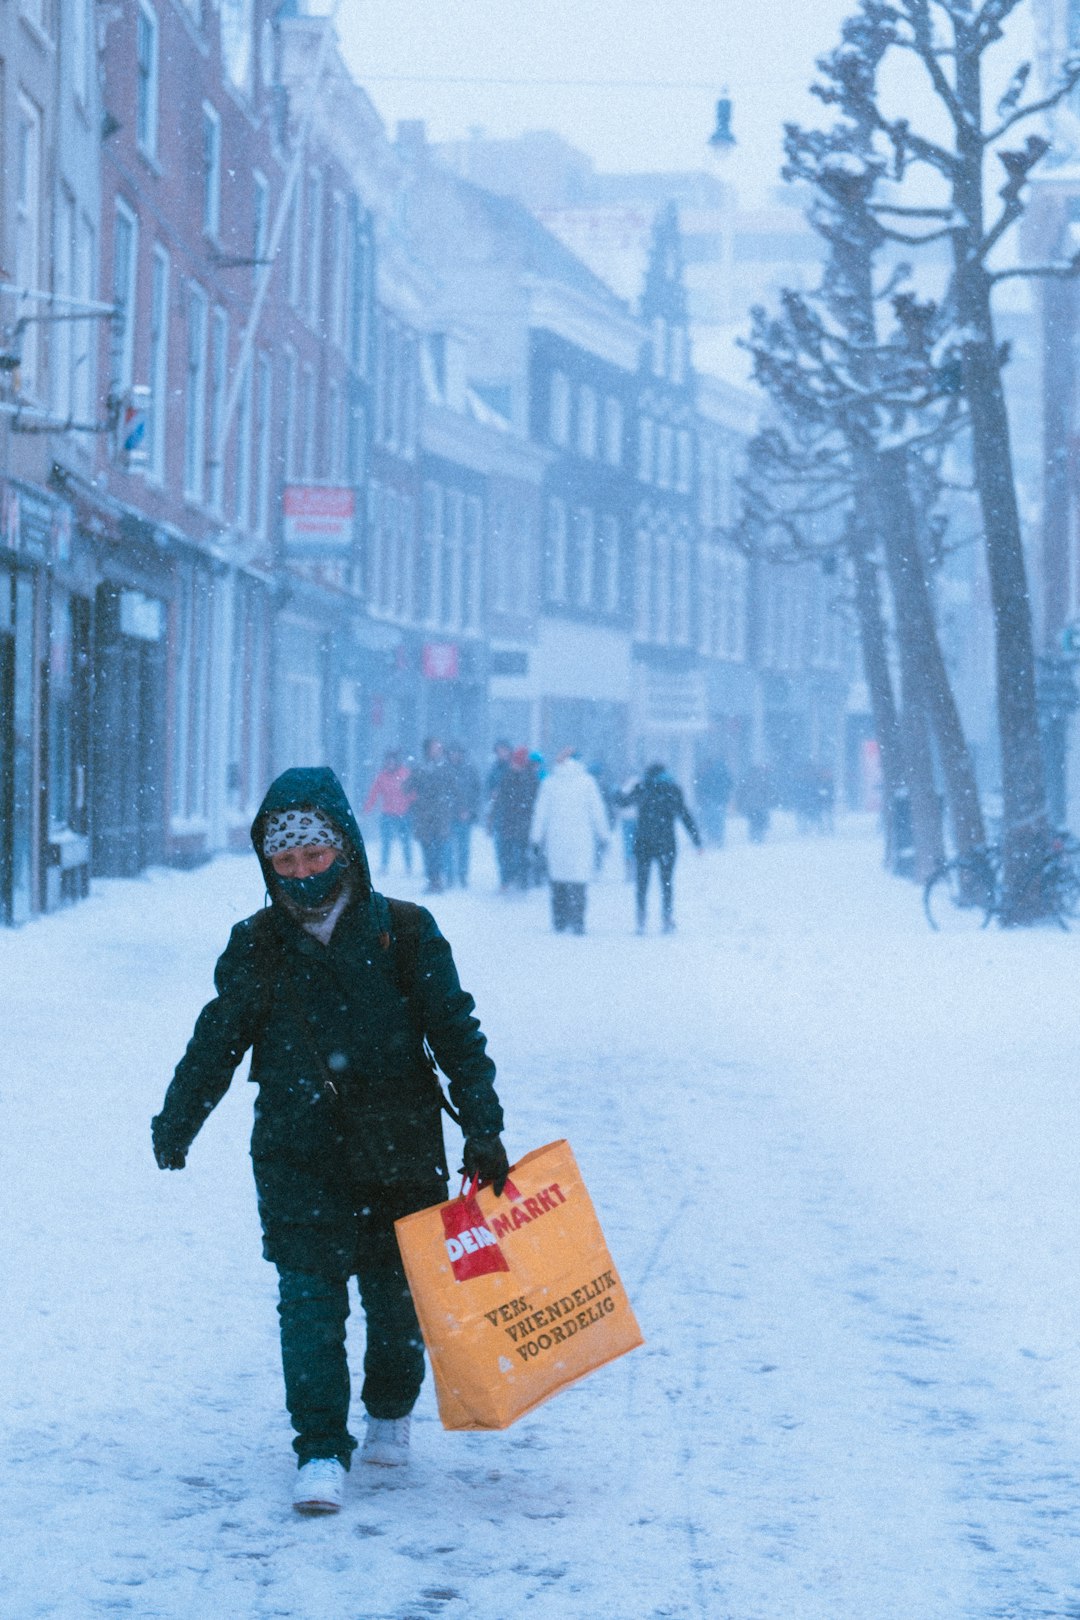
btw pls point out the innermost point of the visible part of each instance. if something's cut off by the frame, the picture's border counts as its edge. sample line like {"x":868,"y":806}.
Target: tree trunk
{"x":896,"y":527}
{"x":916,"y":622}
{"x":875,"y":658}
{"x":1025,"y":834}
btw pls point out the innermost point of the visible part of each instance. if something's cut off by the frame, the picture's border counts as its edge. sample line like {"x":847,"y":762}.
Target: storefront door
{"x":128,"y":733}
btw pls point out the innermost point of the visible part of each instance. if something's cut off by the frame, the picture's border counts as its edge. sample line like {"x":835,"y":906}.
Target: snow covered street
{"x":836,"y":1160}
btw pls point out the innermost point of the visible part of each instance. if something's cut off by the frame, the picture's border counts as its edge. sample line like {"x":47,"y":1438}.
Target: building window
{"x":219,"y":367}
{"x":684,"y":467}
{"x":159,"y":363}
{"x":124,"y":263}
{"x":360,"y":342}
{"x":333,"y":432}
{"x":60,"y":370}
{"x":432,"y":517}
{"x":643,"y":585}
{"x":452,"y":541}
{"x":677,"y":355}
{"x":661,"y":591}
{"x":559,"y":409}
{"x":646,"y":449}
{"x":306,"y":457}
{"x":680,"y":592}
{"x":607,"y":565}
{"x":406,"y":565}
{"x":39,"y":13}
{"x":291,"y":413}
{"x":146,"y":91}
{"x":82,"y":49}
{"x":665,"y":443}
{"x":584,"y":556}
{"x":238,"y":41}
{"x":244,"y":429}
{"x":195,"y":395}
{"x":587,"y":422}
{"x":28,"y":234}
{"x":556,"y":550}
{"x":471,"y":563}
{"x":260,"y":228}
{"x":659,"y":346}
{"x":357,"y":443}
{"x":211,"y":171}
{"x":314,"y":248}
{"x":613,"y":431}
{"x":338,"y":269}
{"x":85,"y":332}
{"x":296,"y":244}
{"x":263,"y":425}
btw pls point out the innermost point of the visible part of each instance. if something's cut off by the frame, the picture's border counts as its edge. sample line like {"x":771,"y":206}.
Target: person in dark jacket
{"x":433,"y":813}
{"x":336,"y":989}
{"x":466,"y":786}
{"x":659,"y":803}
{"x":511,"y":815}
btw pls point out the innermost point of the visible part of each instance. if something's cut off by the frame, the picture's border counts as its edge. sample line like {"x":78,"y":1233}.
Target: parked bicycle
{"x":965,"y":893}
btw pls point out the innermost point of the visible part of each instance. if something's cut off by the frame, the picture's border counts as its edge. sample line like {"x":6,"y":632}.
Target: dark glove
{"x":485,"y":1157}
{"x":167,"y":1155}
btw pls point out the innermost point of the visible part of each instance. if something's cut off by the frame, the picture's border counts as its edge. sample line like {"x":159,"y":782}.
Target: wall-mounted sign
{"x":320,"y":519}
{"x":142,"y":617}
{"x":440,"y":661}
{"x":675,"y":700}
{"x":509,"y":661}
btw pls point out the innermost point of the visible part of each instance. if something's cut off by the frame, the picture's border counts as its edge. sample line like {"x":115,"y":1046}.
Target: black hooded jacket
{"x":348,"y":1108}
{"x":659,"y":803}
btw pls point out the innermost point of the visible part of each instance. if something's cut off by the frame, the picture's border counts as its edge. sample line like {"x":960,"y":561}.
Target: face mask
{"x":311,"y":892}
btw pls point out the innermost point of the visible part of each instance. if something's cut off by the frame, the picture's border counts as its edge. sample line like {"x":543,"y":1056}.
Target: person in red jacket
{"x":391,"y":793}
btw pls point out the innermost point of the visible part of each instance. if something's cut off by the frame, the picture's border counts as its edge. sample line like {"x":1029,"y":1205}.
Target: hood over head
{"x":314,"y":787}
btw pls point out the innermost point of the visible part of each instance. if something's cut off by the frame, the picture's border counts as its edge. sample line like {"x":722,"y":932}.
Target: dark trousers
{"x":395,"y":829}
{"x":460,"y":840}
{"x":665,"y":862}
{"x":313,"y":1311}
{"x":436,"y":862}
{"x":512,"y":855}
{"x":568,"y":907}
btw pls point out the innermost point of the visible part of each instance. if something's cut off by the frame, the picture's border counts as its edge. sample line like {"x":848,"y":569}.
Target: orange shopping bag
{"x":517,"y":1296}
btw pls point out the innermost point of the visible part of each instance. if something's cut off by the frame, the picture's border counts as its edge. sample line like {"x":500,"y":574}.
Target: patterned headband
{"x":296,"y":829}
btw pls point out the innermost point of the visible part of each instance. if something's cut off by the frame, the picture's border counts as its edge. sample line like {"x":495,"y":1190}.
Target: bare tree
{"x":950,"y":40}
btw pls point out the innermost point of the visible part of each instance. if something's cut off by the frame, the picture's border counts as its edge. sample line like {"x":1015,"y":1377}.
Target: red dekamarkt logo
{"x":473,"y":1245}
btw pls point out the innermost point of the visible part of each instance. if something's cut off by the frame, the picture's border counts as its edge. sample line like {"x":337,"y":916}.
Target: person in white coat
{"x":569,"y":822}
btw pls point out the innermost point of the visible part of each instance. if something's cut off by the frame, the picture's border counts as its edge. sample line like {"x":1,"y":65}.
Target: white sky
{"x":762,"y":50}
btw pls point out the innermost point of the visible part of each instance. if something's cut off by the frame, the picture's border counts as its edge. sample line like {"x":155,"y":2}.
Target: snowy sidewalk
{"x":836,"y":1161}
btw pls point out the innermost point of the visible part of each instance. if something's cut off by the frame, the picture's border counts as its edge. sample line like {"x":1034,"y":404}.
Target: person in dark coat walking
{"x":433,"y":813}
{"x":336,"y":989}
{"x":466,"y":786}
{"x":660,"y":804}
{"x":511,"y":815}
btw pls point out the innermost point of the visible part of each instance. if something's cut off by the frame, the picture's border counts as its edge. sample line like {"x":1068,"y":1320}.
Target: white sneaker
{"x":320,"y":1486}
{"x":386,"y":1443}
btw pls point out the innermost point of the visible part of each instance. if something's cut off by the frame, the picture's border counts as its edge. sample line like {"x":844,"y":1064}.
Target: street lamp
{"x":721,"y":139}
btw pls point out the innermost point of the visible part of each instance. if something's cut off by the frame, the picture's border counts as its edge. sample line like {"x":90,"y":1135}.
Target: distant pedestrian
{"x":466,"y":792}
{"x":498,"y":768}
{"x":569,"y":823}
{"x":433,"y":813}
{"x":660,"y":804}
{"x":714,"y":785}
{"x":754,"y":801}
{"x":511,"y":814}
{"x":392,"y":796}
